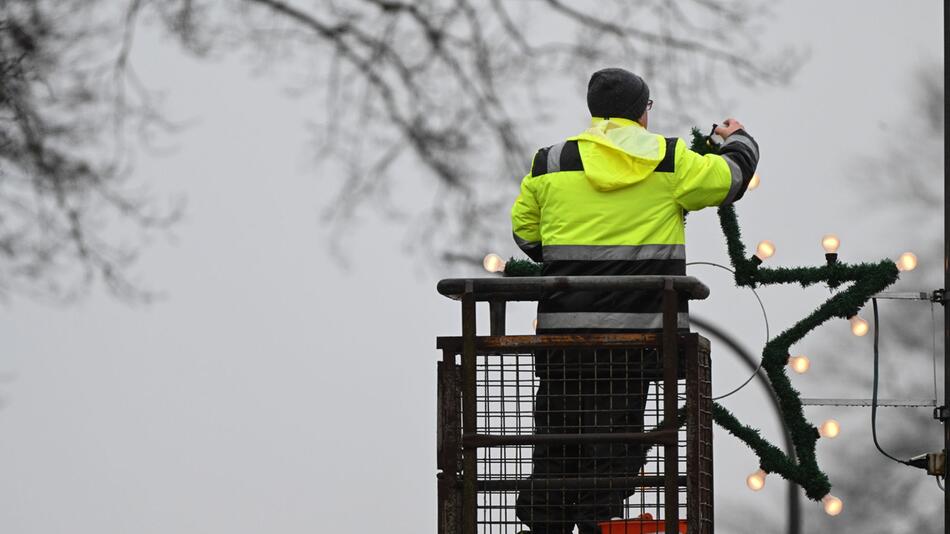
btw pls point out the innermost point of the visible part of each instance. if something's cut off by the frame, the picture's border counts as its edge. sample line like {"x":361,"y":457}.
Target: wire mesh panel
{"x":566,"y":431}
{"x":699,"y":425}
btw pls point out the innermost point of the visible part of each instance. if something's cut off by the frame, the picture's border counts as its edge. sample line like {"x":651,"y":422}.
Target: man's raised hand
{"x":728,"y":127}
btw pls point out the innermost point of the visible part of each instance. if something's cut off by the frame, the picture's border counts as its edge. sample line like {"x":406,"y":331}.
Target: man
{"x":610,"y":201}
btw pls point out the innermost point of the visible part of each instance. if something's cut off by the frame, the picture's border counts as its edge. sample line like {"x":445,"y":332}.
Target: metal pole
{"x":469,"y":458}
{"x":946,"y":260}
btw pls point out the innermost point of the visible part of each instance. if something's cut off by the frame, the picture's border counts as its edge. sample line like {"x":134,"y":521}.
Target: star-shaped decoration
{"x":866,"y":279}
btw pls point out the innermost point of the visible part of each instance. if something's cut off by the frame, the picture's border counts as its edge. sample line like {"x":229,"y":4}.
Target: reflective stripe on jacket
{"x":611,"y":201}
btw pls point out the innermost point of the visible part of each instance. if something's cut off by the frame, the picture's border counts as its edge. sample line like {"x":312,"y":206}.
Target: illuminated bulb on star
{"x":756,"y":481}
{"x":830,"y":243}
{"x":493,"y":263}
{"x":907,"y":262}
{"x":754,"y":182}
{"x":830,"y":429}
{"x":765,"y":250}
{"x":859,"y":326}
{"x":833,"y":505}
{"x":799,"y":364}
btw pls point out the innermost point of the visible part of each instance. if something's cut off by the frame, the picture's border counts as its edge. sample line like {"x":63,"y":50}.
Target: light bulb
{"x":907,"y":262}
{"x":859,"y":326}
{"x":830,"y":243}
{"x":765,"y":250}
{"x":534,"y":324}
{"x":756,"y":481}
{"x":833,"y":505}
{"x":830,"y":429}
{"x":754,"y":182}
{"x":493,"y":263}
{"x":799,"y":364}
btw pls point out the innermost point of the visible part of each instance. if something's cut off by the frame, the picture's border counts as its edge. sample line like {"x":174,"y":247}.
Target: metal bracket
{"x":941,"y":414}
{"x":937,"y":463}
{"x":939,"y":296}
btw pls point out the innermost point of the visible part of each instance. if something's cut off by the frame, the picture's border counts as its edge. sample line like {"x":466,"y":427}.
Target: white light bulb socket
{"x":765,"y":249}
{"x":756,"y":481}
{"x":829,"y":429}
{"x":754,"y":182}
{"x":859,"y":326}
{"x":832,"y":504}
{"x":799,"y":364}
{"x":493,"y":263}
{"x":906,"y":262}
{"x":830,"y":243}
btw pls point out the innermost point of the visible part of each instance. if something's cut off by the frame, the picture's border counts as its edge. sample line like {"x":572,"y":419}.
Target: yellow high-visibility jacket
{"x":612,"y":201}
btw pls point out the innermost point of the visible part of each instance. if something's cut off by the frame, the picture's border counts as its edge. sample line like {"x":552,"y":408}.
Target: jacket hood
{"x":619,"y":153}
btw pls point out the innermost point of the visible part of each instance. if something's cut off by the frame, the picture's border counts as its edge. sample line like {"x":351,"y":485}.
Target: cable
{"x":939,"y":484}
{"x":874,"y":388}
{"x":765,"y":316}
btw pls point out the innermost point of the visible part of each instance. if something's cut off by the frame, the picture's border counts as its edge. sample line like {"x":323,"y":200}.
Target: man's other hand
{"x":729,"y":127}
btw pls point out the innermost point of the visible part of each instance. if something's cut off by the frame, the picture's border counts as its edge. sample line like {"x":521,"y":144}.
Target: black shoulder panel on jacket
{"x":571,"y":157}
{"x":669,"y":160}
{"x":564,"y":156}
{"x":540,"y":165}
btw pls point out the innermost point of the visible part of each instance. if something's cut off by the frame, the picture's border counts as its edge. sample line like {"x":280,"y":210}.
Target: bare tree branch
{"x":58,"y":195}
{"x":456,"y":80}
{"x":444,"y":89}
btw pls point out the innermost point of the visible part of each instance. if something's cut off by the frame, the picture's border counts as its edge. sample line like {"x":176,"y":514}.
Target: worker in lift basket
{"x":610,"y":201}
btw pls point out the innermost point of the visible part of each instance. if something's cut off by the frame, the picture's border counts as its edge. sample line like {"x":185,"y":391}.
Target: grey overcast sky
{"x":273,"y":391}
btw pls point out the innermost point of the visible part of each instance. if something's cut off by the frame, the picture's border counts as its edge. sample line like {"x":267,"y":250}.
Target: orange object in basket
{"x":637,"y":526}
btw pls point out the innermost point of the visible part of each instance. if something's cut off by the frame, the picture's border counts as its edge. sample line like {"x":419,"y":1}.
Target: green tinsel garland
{"x":516,"y":267}
{"x":867,"y":278}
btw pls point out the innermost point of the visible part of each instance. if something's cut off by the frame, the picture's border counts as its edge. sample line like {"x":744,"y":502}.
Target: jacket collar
{"x":617,"y":122}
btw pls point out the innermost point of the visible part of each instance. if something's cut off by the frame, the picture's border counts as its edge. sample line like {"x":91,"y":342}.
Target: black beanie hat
{"x":617,"y":93}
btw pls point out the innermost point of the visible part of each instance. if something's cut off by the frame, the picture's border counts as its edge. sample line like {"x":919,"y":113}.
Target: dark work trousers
{"x":585,"y":391}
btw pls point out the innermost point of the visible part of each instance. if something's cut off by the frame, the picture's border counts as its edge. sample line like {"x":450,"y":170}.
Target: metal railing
{"x":509,"y":404}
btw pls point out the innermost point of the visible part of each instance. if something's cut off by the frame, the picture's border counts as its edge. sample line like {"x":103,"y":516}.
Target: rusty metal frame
{"x":458,"y":440}
{"x":670,"y":396}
